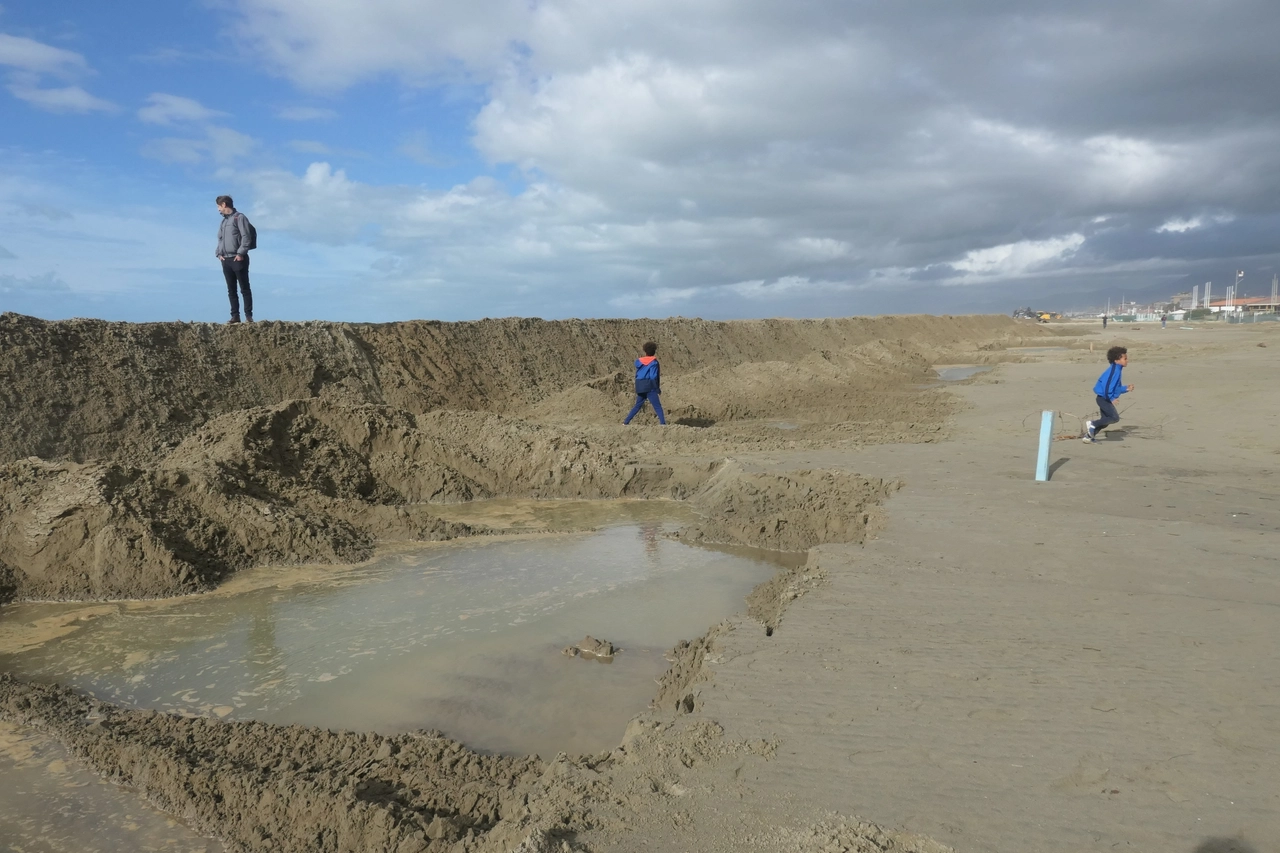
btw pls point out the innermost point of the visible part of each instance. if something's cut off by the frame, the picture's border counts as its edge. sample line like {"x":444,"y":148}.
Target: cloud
{"x":1014,"y":259}
{"x":307,"y":114}
{"x":174,"y":55}
{"x":786,"y":287}
{"x":308,"y":146}
{"x":1180,"y":225}
{"x":817,"y":248}
{"x":417,"y":147}
{"x":220,"y":145}
{"x":175,"y":109}
{"x":333,"y":44}
{"x":722,"y":154}
{"x":19,"y":285}
{"x":31,"y":61}
{"x":660,"y":297}
{"x":217,"y":144}
{"x":47,"y":211}
{"x":65,"y":99}
{"x":35,"y":57}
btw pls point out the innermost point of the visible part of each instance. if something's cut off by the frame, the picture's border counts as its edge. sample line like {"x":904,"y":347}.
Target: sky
{"x":638,"y":158}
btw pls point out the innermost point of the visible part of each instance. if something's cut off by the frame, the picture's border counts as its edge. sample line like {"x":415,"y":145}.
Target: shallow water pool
{"x":955,"y":373}
{"x":461,"y":637}
{"x":464,"y":637}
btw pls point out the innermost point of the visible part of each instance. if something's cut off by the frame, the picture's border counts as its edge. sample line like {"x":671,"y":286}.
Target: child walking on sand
{"x":648,"y":383}
{"x":1109,"y":387}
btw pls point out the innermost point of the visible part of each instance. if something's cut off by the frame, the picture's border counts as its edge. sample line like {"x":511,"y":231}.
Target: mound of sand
{"x":262,"y":787}
{"x":81,"y":390}
{"x":321,"y":482}
{"x":791,"y":512}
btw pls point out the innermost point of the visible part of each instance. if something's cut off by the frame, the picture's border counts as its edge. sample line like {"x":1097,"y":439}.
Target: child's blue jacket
{"x":648,"y":375}
{"x":1109,"y":384}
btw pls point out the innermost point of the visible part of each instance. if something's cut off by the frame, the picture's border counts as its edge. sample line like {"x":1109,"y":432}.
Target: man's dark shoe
{"x":248,"y":318}
{"x":233,"y":319}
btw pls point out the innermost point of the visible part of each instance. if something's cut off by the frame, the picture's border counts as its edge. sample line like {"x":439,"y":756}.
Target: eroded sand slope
{"x":158,"y":459}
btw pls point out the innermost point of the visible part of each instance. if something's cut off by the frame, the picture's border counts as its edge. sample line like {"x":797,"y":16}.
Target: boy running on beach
{"x":648,"y":383}
{"x":1109,"y":387}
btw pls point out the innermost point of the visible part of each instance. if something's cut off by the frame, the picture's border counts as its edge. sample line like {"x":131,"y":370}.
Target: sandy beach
{"x":1082,"y":664}
{"x":967,"y":660}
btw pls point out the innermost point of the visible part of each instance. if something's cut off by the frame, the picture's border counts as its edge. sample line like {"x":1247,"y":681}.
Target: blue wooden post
{"x":1046,"y":439}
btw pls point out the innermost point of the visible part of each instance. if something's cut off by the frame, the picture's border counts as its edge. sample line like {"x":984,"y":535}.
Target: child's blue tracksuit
{"x":648,"y":387}
{"x":1109,"y":387}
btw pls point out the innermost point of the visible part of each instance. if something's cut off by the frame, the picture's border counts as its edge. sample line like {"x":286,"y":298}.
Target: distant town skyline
{"x":561,"y":159}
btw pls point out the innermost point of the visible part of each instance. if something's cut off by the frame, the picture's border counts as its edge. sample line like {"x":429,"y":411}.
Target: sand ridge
{"x":136,"y":496}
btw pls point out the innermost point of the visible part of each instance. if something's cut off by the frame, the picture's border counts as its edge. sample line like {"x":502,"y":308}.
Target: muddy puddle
{"x":462,"y":637}
{"x":958,"y":372}
{"x":49,"y":803}
{"x":1037,"y":350}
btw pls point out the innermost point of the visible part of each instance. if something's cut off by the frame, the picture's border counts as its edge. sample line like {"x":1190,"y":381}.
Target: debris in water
{"x":590,"y":647}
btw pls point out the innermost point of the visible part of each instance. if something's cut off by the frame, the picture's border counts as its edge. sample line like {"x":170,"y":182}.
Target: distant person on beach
{"x":235,"y":238}
{"x":1104,"y":321}
{"x":1108,"y":389}
{"x":1164,"y":318}
{"x":648,"y":383}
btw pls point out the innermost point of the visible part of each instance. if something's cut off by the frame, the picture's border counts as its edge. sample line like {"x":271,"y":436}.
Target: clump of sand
{"x":590,"y":648}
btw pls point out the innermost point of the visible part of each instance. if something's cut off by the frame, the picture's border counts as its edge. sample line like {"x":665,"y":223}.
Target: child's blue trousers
{"x":652,"y":397}
{"x":1109,"y":414}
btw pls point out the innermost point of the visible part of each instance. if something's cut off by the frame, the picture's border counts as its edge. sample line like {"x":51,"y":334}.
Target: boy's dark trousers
{"x":238,"y":271}
{"x":1109,"y":414}
{"x":652,"y":397}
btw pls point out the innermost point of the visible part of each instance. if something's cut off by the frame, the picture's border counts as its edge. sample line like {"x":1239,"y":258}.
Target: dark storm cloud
{"x":819,"y":157}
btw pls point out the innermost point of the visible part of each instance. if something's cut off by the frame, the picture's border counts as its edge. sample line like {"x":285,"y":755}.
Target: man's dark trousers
{"x":1109,"y":414}
{"x":238,"y":271}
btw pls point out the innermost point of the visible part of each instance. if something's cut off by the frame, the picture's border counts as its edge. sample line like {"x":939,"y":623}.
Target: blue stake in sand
{"x":1046,"y":439}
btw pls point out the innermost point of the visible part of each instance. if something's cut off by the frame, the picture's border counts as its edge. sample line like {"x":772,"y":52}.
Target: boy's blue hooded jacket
{"x":1109,"y":385}
{"x":648,"y":375}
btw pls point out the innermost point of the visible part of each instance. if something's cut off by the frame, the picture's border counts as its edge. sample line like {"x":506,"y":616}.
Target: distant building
{"x":1253,"y":304}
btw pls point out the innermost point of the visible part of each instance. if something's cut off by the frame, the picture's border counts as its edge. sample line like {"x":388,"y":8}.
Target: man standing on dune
{"x":235,"y":238}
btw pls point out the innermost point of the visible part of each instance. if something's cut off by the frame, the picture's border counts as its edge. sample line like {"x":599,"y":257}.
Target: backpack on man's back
{"x":253,"y":232}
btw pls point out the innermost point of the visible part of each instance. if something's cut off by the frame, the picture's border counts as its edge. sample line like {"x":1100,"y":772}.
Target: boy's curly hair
{"x":650,"y":348}
{"x":1113,"y":354}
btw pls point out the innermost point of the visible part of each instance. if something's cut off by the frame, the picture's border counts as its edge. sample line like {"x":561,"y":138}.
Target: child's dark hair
{"x":1113,"y":354}
{"x":650,"y":348}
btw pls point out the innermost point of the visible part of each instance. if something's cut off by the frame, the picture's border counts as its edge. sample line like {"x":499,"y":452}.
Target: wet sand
{"x":1003,"y":665}
{"x":1083,"y":664}
{"x":50,"y":803}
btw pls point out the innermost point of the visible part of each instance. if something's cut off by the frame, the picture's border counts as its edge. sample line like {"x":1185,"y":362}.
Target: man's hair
{"x":1113,"y":354}
{"x":650,"y":348}
{"x":225,"y":201}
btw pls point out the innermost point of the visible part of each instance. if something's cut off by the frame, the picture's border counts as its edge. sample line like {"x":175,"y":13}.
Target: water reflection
{"x":649,"y":535}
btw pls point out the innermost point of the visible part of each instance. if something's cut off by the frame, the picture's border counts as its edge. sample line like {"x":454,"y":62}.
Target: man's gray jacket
{"x":233,"y":235}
